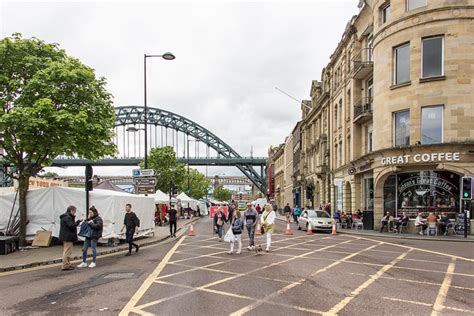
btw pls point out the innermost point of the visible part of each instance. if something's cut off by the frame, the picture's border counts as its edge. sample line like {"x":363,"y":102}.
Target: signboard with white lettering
{"x":145,"y":181}
{"x":417,"y":158}
{"x":136,"y":173}
{"x":146,"y":189}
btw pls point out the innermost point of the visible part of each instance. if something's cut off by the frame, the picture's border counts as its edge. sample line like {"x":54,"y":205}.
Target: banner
{"x":213,"y":210}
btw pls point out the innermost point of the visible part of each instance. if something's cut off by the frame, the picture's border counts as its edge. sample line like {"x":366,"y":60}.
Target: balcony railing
{"x":363,"y":110}
{"x":363,"y":63}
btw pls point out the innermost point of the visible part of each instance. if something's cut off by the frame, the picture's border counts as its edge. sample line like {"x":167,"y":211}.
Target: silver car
{"x":320,"y":220}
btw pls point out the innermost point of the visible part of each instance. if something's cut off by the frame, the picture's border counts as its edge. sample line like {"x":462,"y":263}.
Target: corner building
{"x":401,"y":109}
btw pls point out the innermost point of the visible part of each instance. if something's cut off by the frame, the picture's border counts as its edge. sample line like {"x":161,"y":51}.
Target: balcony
{"x":321,"y":169}
{"x":363,"y":63}
{"x":363,"y":110}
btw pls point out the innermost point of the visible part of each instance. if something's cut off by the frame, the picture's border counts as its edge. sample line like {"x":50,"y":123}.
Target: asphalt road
{"x":318,"y":274}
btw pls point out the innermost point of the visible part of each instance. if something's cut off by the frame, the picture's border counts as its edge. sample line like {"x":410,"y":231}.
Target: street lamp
{"x":165,"y":56}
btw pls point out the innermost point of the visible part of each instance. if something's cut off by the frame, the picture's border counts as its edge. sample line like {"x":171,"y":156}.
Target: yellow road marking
{"x":149,"y":280}
{"x":443,"y":290}
{"x":338,"y":307}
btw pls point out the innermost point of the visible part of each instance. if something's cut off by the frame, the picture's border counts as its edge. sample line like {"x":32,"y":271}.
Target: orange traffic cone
{"x":310,"y":229}
{"x":259,"y":230}
{"x":191,"y":231}
{"x":334,"y":231}
{"x":288,"y":229}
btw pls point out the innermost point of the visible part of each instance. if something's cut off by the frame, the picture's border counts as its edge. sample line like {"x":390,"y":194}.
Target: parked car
{"x":320,"y":220}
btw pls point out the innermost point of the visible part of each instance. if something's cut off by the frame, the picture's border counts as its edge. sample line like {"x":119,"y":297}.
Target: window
{"x":341,"y":159}
{"x":432,"y":54}
{"x":335,"y":116}
{"x":340,"y":113}
{"x":385,"y":11}
{"x":402,"y":128}
{"x":432,"y":124}
{"x":369,"y":140}
{"x":415,"y":4}
{"x":402,"y":64}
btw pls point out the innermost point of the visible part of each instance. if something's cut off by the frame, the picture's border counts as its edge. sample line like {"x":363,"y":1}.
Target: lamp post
{"x":165,"y":56}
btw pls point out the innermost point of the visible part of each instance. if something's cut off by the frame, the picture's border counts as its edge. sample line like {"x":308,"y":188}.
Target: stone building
{"x":392,"y":117}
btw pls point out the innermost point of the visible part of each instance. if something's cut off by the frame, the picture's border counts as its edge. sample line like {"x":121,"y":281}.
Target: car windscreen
{"x":321,"y":214}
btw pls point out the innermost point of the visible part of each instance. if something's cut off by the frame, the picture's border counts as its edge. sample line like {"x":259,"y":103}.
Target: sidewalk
{"x":51,"y":255}
{"x":374,"y":233}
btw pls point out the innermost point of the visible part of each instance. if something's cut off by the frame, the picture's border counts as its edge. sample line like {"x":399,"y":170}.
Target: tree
{"x":198,"y":184}
{"x":50,"y":105}
{"x":163,"y":160}
{"x":222,"y":194}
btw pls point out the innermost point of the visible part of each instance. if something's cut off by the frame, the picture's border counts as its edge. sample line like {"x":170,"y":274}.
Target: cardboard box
{"x":42,"y":238}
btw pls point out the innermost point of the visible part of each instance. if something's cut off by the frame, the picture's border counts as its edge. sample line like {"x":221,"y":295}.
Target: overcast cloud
{"x":230,"y":56}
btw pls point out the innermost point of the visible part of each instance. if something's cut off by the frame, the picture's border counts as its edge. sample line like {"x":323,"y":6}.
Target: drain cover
{"x":122,"y":275}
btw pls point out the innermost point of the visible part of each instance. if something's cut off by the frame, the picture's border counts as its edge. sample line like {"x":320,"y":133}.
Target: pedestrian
{"x":287,"y":211}
{"x":96,"y":224}
{"x":296,"y":214}
{"x":268,"y":223}
{"x":130,"y":224}
{"x":231,"y":214}
{"x":173,"y":220}
{"x":258,"y":208}
{"x":250,"y":218}
{"x":219,"y":220}
{"x":237,"y":227}
{"x":68,"y":234}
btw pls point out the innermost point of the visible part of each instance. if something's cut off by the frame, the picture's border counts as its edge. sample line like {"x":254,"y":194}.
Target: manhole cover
{"x":124,"y":275}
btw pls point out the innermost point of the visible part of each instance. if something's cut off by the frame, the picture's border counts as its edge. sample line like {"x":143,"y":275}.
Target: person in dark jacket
{"x":68,"y":234}
{"x":219,"y":220}
{"x":130,"y":224}
{"x":96,"y":224}
{"x":173,"y":217}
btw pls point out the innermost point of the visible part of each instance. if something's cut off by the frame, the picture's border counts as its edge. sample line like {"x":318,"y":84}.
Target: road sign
{"x":137,"y":173}
{"x":145,"y":181}
{"x":146,"y":189}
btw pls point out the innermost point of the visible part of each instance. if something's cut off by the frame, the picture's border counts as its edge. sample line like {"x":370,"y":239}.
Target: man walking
{"x":251,"y":217}
{"x":130,"y":223}
{"x":287,"y":211}
{"x":68,"y":235}
{"x":173,"y":219}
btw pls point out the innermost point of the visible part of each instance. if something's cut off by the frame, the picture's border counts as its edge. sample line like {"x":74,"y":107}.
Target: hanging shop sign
{"x":417,"y":158}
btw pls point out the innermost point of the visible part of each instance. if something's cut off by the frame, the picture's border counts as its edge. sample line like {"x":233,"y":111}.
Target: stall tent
{"x":46,"y":205}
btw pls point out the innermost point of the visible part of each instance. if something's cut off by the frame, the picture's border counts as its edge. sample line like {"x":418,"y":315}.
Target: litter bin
{"x":368,"y":220}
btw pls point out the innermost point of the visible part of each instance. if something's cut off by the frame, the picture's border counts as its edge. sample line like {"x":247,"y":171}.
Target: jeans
{"x":251,"y":231}
{"x":219,"y":230}
{"x":129,"y":236}
{"x":172,"y":224}
{"x":238,"y":239}
{"x":89,"y":243}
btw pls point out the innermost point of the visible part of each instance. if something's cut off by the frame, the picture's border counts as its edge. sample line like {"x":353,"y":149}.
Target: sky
{"x":230,"y":56}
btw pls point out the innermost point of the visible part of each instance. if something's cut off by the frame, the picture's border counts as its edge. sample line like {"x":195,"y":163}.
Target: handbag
{"x":85,"y":230}
{"x":229,"y":236}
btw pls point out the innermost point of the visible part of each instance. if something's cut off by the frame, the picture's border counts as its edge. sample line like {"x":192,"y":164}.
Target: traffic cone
{"x":191,"y":231}
{"x":310,"y":229}
{"x":288,"y":229}
{"x":334,"y":231}
{"x":259,"y":230}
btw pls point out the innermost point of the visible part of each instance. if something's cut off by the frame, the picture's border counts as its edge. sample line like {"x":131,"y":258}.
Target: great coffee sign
{"x":417,"y":158}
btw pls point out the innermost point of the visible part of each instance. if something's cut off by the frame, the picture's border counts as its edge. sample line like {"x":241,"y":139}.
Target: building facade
{"x":390,"y":123}
{"x":279,"y":159}
{"x":288,"y":162}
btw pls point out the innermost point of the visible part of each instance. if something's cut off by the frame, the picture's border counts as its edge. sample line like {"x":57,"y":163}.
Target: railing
{"x":363,"y":106}
{"x":363,"y":62}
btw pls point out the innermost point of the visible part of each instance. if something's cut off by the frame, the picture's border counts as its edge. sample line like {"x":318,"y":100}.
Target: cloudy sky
{"x":230,"y":56}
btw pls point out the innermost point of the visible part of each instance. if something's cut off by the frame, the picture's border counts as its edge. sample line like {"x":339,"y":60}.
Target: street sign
{"x":145,"y":181}
{"x":137,"y":173}
{"x":146,"y":189}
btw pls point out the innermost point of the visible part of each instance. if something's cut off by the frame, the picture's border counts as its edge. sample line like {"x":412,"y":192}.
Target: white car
{"x":320,"y":220}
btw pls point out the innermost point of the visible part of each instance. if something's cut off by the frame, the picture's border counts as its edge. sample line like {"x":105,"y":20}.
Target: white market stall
{"x":46,"y":205}
{"x":187,"y":201}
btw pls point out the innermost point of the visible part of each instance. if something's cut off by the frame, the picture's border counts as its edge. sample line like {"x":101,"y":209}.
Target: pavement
{"x":302,"y":275}
{"x":374,"y":233}
{"x":31,"y":257}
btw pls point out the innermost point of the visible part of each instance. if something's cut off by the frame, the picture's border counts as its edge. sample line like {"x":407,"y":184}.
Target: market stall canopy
{"x":107,"y":185}
{"x":186,"y":200}
{"x":162,"y":198}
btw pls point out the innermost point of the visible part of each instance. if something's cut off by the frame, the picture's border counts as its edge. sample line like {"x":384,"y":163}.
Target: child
{"x":237,"y":227}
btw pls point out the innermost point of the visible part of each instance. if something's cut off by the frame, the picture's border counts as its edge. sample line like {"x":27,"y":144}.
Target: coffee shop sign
{"x":428,"y":157}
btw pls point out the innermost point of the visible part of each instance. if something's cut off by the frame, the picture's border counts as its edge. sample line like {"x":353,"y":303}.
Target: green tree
{"x":198,"y":184}
{"x":50,"y":104}
{"x":221,"y":193}
{"x":163,"y":160}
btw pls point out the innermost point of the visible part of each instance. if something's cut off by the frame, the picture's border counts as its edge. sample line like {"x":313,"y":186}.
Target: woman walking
{"x":219,"y":220}
{"x":237,"y":226}
{"x":268,"y":223}
{"x":96,"y":224}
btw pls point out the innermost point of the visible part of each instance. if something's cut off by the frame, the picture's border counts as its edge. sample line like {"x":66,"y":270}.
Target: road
{"x":302,"y":275}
